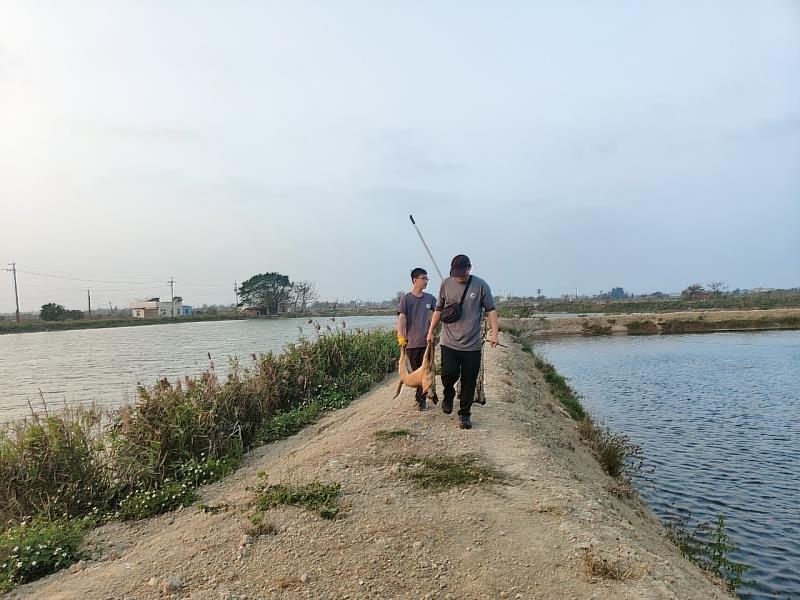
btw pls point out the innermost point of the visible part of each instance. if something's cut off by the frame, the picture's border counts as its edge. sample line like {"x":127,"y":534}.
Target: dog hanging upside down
{"x":423,"y":378}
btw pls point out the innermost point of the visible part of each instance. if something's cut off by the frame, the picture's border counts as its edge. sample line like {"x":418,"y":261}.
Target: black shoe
{"x":447,"y":405}
{"x":465,"y":422}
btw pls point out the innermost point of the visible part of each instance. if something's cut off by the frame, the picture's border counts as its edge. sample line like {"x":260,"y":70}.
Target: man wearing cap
{"x":413,"y":317}
{"x":461,"y":337}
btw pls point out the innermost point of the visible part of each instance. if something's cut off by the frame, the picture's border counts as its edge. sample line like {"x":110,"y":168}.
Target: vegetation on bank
{"x":61,"y":473}
{"x":37,"y":325}
{"x":720,"y":301}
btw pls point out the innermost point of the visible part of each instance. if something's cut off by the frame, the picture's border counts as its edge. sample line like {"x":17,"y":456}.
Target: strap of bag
{"x":466,"y":289}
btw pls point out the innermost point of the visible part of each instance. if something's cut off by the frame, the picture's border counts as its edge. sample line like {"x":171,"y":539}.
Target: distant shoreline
{"x":706,"y":321}
{"x":37,"y":326}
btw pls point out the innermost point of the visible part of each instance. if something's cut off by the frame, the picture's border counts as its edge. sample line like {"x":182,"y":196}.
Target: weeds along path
{"x":515,"y":508}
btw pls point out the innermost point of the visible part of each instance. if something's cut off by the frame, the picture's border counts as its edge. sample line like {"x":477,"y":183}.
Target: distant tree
{"x":304,"y":294}
{"x":56,"y":312}
{"x":52,"y":312}
{"x":538,"y":294}
{"x":716,"y":287}
{"x":694,"y":291}
{"x":268,"y":289}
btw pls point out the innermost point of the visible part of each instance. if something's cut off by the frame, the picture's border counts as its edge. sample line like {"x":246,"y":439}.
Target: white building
{"x":153,"y":308}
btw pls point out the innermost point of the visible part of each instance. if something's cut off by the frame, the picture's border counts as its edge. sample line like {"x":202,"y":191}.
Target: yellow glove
{"x":401,"y":341}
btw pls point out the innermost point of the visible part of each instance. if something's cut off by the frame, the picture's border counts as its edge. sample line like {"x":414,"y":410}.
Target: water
{"x":106,"y":364}
{"x":718,"y":416}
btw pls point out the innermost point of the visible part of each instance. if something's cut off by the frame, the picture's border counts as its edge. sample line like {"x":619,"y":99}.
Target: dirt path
{"x":534,"y":537}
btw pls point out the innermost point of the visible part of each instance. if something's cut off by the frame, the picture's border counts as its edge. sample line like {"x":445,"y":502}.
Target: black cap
{"x":460,"y":265}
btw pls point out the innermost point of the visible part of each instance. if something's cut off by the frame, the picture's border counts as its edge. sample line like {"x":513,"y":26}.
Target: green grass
{"x":317,"y":497}
{"x":643,"y":327}
{"x":36,"y":548}
{"x":560,"y":389}
{"x":619,"y":457}
{"x":438,"y":472}
{"x":388,"y":434}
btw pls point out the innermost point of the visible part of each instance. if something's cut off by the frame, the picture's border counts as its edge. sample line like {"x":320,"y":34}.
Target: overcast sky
{"x":636,"y":144}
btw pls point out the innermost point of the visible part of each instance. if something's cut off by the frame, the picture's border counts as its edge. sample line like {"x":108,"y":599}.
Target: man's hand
{"x":493,"y":340}
{"x":401,"y":341}
{"x":429,"y":339}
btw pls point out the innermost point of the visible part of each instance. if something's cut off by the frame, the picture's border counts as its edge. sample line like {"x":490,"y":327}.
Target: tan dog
{"x":423,"y":378}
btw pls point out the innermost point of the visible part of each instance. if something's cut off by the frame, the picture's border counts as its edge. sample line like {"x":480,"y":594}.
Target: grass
{"x":619,"y":457}
{"x":439,"y":472}
{"x":35,"y":325}
{"x":561,"y":389}
{"x":642,"y":328}
{"x":595,"y":328}
{"x":317,"y":497}
{"x":150,"y":456}
{"x":388,"y":434}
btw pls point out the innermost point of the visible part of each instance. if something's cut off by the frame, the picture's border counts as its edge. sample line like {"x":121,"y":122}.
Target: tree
{"x":693,"y":292}
{"x":305,"y":294}
{"x":268,"y":289}
{"x":716,"y":287}
{"x":56,"y":312}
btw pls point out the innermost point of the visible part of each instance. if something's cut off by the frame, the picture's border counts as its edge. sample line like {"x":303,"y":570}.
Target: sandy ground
{"x":534,"y":537}
{"x":617,"y":323}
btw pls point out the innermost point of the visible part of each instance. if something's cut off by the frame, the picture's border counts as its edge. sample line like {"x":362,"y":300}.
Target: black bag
{"x":452,"y":312}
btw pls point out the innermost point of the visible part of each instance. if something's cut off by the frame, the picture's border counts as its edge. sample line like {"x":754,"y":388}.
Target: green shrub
{"x":37,"y":548}
{"x":53,"y":466}
{"x":618,"y":456}
{"x":148,"y":503}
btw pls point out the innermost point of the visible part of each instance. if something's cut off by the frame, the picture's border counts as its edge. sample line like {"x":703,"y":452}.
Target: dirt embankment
{"x":557,"y":528}
{"x":659,"y":323}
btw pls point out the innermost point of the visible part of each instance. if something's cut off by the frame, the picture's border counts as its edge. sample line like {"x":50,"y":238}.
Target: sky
{"x":590,"y":144}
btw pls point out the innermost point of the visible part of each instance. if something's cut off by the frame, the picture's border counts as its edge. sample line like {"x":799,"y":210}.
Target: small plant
{"x":316,"y":497}
{"x":709,"y":547}
{"x":207,"y":470}
{"x":144,"y":504}
{"x":595,"y":328}
{"x":387,"y":434}
{"x":260,"y":526}
{"x":37,"y":548}
{"x":443,"y":471}
{"x":618,"y":456}
{"x":596,"y":567}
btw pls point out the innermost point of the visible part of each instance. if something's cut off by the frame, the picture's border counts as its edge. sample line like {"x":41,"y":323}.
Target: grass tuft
{"x":387,"y":434}
{"x":316,"y":497}
{"x":440,"y":472}
{"x":561,"y":389}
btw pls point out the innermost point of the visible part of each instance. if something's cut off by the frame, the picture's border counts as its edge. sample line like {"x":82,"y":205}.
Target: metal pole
{"x":422,"y":239}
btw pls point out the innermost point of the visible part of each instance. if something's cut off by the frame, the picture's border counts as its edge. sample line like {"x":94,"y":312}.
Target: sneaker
{"x":447,"y":405}
{"x":465,"y":422}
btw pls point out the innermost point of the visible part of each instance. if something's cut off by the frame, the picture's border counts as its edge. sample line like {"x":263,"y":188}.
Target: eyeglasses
{"x":425,"y":277}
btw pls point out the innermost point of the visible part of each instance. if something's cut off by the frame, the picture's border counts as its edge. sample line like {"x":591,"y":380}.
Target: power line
{"x":87,"y":280}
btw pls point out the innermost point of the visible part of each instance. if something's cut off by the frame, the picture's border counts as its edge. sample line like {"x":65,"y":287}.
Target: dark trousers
{"x":466,"y":365}
{"x":415,"y":359}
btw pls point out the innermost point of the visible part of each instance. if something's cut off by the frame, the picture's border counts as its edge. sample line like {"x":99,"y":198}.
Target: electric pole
{"x":13,"y":269}
{"x":89,"y":298}
{"x":236,"y":292}
{"x":171,"y":283}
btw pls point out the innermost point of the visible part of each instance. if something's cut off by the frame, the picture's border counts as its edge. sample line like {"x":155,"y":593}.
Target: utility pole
{"x":236,"y":291}
{"x":89,"y":298}
{"x":171,"y":283}
{"x":13,"y":269}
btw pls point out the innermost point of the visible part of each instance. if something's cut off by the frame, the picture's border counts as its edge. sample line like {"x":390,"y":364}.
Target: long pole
{"x":89,"y":298}
{"x":422,"y":239}
{"x":16,"y":294}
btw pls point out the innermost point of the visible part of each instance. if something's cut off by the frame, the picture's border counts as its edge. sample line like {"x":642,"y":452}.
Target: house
{"x":153,"y":308}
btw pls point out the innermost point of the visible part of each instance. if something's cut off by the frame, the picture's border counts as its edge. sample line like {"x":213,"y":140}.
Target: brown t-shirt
{"x":418,"y":317}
